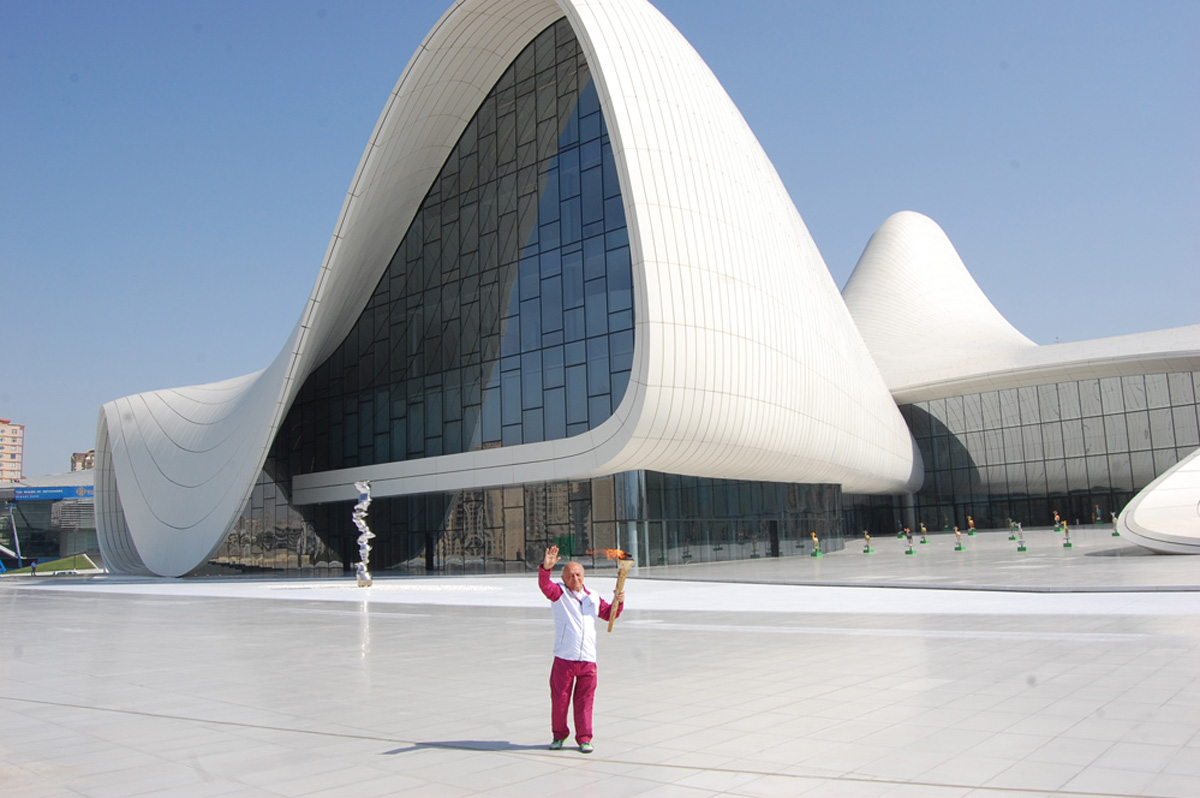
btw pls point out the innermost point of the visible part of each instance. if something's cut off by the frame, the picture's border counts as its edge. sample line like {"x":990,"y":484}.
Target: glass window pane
{"x":972,"y":412}
{"x":1138,"y":426}
{"x":1186,"y":433}
{"x":1032,"y":438}
{"x":1111,"y":395}
{"x":1120,"y":475}
{"x":1089,"y":397}
{"x":1182,"y":390}
{"x":1028,"y":400}
{"x":1115,"y":437}
{"x":1093,"y":436}
{"x":954,"y":415}
{"x":1135,"y":392}
{"x":1068,"y":399}
{"x":1072,"y":432}
{"x":1162,"y":429}
{"x":1010,"y":408}
{"x":1048,"y":402}
{"x":1158,"y":393}
{"x":1076,"y":474}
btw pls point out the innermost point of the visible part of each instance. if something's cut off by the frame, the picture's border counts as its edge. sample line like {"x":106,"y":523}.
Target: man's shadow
{"x":467,"y":745}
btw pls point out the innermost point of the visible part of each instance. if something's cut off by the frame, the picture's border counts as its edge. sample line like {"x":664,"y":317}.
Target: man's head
{"x":572,"y":576}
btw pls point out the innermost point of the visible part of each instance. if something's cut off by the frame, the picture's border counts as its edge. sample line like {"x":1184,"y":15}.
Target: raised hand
{"x":551,"y":558}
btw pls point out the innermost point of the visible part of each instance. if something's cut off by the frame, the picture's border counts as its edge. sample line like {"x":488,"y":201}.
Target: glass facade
{"x":506,"y":314}
{"x":664,"y":519}
{"x":504,"y":317}
{"x":1083,"y":448}
{"x":48,"y":529}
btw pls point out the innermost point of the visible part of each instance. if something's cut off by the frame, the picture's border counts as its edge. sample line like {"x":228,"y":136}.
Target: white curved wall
{"x":1165,"y":516}
{"x":933,"y":332}
{"x":746,"y":363}
{"x":918,"y":308}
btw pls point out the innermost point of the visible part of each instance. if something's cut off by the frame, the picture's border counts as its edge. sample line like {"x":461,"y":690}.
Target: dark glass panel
{"x":577,"y":408}
{"x":598,"y":366}
{"x":1056,"y":476}
{"x":1120,"y":475}
{"x":1097,"y":473}
{"x":1035,"y":477}
{"x":595,"y":295}
{"x":599,"y":409}
{"x":555,"y":413}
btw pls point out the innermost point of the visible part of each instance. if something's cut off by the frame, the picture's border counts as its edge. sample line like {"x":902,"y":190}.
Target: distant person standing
{"x":573,"y":676}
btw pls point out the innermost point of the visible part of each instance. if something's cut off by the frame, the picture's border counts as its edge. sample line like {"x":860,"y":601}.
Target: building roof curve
{"x":933,"y":332}
{"x":746,"y":363}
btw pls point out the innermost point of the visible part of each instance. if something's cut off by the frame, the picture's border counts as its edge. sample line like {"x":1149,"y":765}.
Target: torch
{"x":624,"y":563}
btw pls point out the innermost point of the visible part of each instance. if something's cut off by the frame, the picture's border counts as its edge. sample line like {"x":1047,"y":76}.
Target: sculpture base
{"x":1022,"y":548}
{"x":960,"y":548}
{"x":910,"y":551}
{"x":1068,"y":545}
{"x":816,"y":554}
{"x":868,"y":550}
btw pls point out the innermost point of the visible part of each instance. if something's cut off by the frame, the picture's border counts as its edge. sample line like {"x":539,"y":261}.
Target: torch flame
{"x":612,"y":554}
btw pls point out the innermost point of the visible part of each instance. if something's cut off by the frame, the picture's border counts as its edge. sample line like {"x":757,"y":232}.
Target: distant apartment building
{"x":12,"y":449}
{"x":83,"y":461}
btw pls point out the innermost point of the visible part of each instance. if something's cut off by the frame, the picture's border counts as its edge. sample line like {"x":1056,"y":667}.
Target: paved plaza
{"x":1076,"y":672}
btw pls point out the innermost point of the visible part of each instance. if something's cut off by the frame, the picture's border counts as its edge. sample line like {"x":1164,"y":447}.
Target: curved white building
{"x":563,"y":256}
{"x":1165,"y":516}
{"x":1010,"y":429}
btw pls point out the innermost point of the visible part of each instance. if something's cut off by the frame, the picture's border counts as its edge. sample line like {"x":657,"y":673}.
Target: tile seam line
{"x":521,"y":754}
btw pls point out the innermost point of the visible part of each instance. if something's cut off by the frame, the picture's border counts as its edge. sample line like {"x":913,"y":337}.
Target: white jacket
{"x":575,"y":617}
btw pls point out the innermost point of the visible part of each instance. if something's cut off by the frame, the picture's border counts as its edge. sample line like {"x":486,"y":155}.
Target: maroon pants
{"x":565,"y":675}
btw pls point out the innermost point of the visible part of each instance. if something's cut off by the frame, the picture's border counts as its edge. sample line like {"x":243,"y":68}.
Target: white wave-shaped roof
{"x":933,"y":332}
{"x":746,"y":362}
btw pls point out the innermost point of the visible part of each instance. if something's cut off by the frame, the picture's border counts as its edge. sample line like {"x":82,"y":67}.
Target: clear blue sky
{"x":170,"y":172}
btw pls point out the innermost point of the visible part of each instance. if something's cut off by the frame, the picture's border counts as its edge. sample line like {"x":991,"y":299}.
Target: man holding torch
{"x":574,"y":672}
